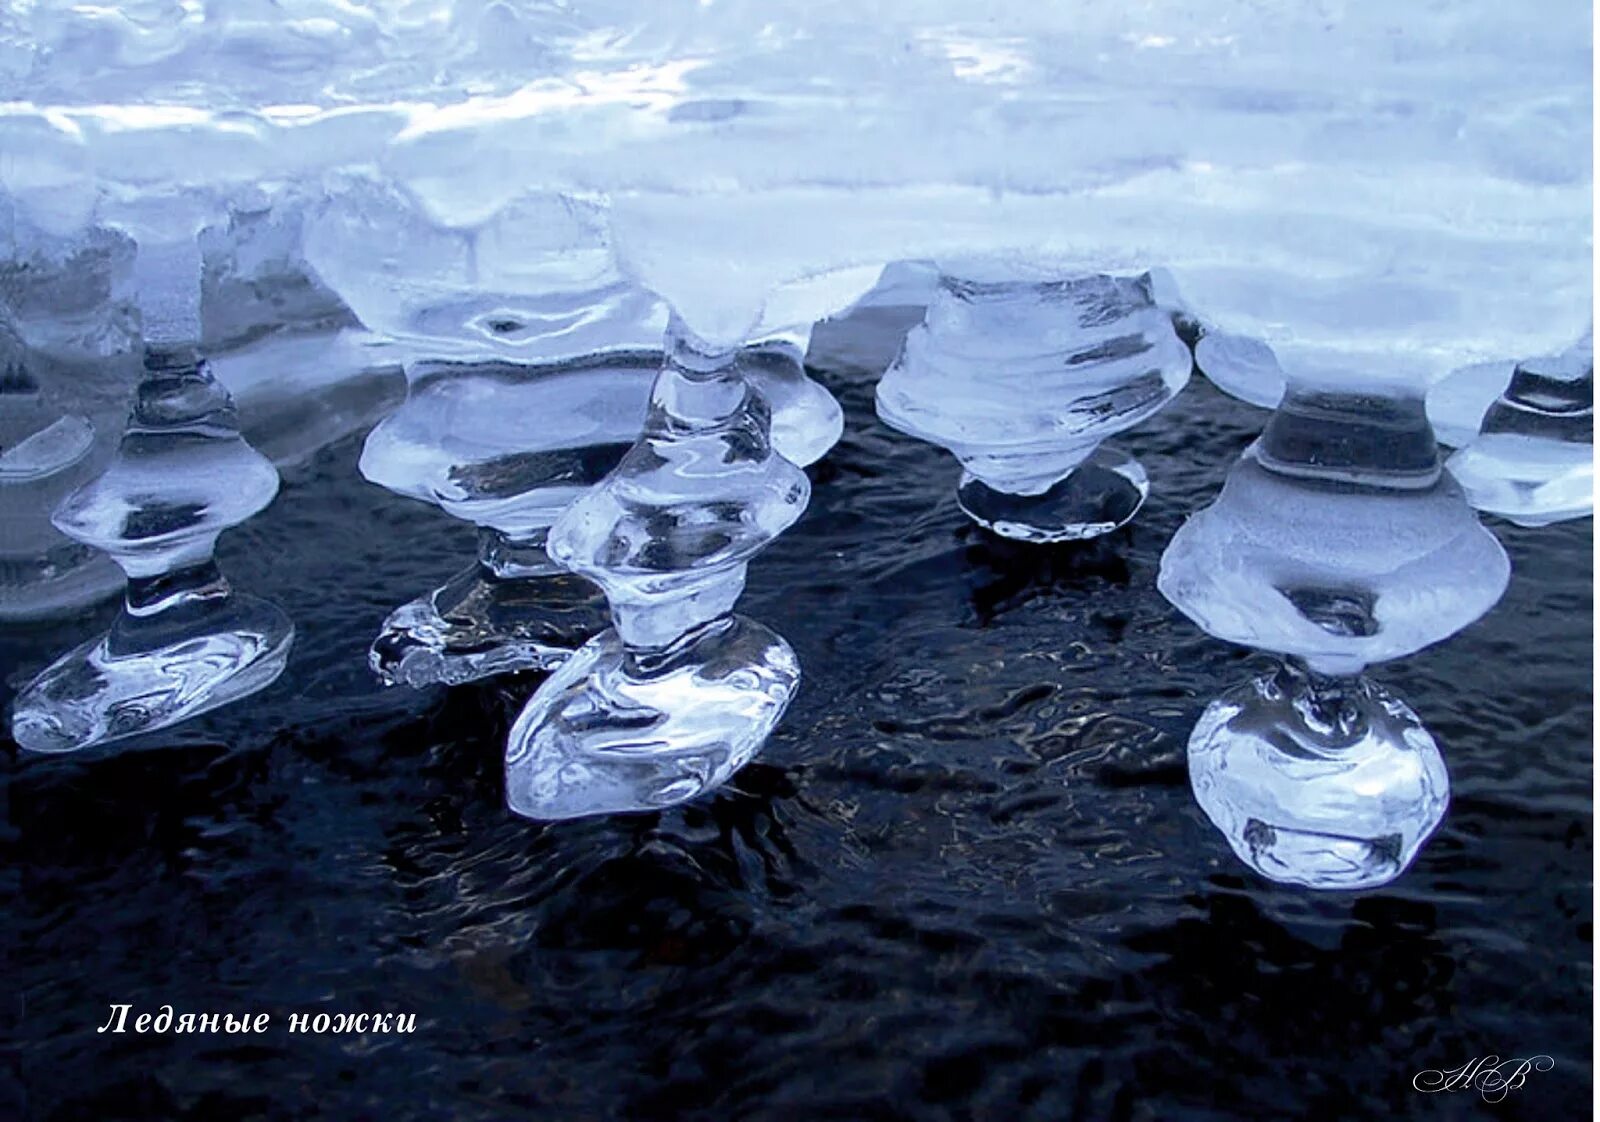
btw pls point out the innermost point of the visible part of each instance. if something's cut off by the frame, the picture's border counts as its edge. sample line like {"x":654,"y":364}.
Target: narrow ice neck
{"x":166,"y":278}
{"x":1361,"y":438}
{"x":700,"y":383}
{"x":197,"y":583}
{"x":515,"y":558}
{"x":651,"y":619}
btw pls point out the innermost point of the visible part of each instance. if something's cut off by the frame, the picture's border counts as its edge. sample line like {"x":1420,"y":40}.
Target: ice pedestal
{"x":1532,"y":461}
{"x":508,"y":448}
{"x":1338,"y":542}
{"x":1022,"y":381}
{"x":680,"y":692}
{"x":184,"y":643}
{"x":531,"y":356}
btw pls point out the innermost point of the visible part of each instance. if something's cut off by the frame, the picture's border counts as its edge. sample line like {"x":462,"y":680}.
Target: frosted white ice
{"x":1375,"y":191}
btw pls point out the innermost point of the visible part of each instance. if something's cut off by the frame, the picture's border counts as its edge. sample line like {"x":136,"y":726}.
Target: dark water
{"x":966,"y":878}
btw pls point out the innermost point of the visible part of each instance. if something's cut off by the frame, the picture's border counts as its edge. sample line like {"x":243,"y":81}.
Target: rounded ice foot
{"x":1328,"y":788}
{"x":476,"y":626}
{"x":145,"y":675}
{"x":1532,"y":483}
{"x":612,"y":731}
{"x":1102,"y":493}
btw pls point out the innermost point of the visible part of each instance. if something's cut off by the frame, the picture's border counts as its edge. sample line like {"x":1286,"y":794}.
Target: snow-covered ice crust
{"x":1378,"y":192}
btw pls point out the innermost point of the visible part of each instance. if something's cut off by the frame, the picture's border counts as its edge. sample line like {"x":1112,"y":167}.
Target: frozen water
{"x":1241,"y":366}
{"x":506,"y":447}
{"x":1533,"y":459}
{"x":1332,"y":787}
{"x":1022,"y":381}
{"x":184,"y":642}
{"x":1376,"y":194}
{"x":680,"y":693}
{"x":1458,"y":402}
{"x":67,"y":298}
{"x":256,"y":281}
{"x":294,"y":358}
{"x":537,"y":282}
{"x":509,"y":447}
{"x":45,"y":453}
{"x":67,"y":367}
{"x":181,"y":477}
{"x":1337,"y":539}
{"x":300,"y":392}
{"x":1373,"y":195}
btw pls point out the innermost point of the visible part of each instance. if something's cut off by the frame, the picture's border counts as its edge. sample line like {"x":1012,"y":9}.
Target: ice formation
{"x":1327,"y":785}
{"x":47,"y":449}
{"x":1022,"y":381}
{"x":1532,"y":461}
{"x":184,"y":642}
{"x":497,"y":196}
{"x":298,"y":364}
{"x":681,"y":692}
{"x":1430,"y":214}
{"x":1340,"y":542}
{"x":508,"y":447}
{"x":1241,"y":366}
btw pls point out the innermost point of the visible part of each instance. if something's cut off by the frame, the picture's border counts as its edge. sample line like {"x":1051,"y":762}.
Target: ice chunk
{"x":1330,"y":787}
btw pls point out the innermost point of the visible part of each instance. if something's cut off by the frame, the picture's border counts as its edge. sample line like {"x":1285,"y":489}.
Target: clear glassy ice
{"x":680,"y":692}
{"x":508,"y":447}
{"x":1326,"y":783}
{"x":1022,"y":381}
{"x":47,"y":448}
{"x":1339,"y":542}
{"x":184,"y":643}
{"x":505,"y":447}
{"x":67,"y":371}
{"x":1532,"y":461}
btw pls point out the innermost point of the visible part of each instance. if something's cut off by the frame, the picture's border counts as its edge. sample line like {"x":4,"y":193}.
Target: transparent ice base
{"x":477,"y":625}
{"x":612,"y":731}
{"x":1326,"y":783}
{"x":1102,"y":493}
{"x":148,"y":673}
